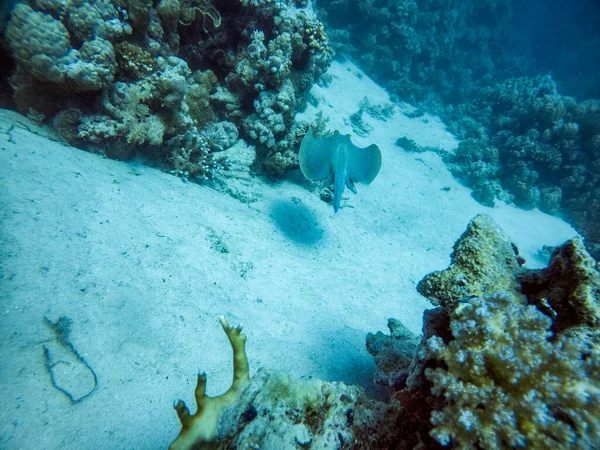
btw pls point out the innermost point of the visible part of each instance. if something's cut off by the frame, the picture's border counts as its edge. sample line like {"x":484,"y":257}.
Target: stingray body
{"x":335,"y":159}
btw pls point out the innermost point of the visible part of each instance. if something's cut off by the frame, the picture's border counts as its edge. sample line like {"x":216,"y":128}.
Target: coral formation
{"x":393,"y":354}
{"x":271,"y":411}
{"x":202,"y":426}
{"x":483,"y":261}
{"x":507,"y":385}
{"x":534,"y":147}
{"x":123,"y":77}
{"x":507,"y":380}
{"x":278,"y":411}
{"x":47,"y":56}
{"x":568,"y":290}
{"x":191,"y":157}
{"x":510,"y":360}
{"x":511,"y":357}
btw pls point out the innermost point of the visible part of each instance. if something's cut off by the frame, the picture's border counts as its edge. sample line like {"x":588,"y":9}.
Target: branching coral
{"x":274,"y":113}
{"x":202,"y":426}
{"x":272,"y":411}
{"x":512,"y":356}
{"x":190,"y":156}
{"x":266,"y":66}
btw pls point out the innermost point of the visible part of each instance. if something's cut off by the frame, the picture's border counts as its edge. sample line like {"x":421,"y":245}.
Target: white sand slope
{"x":143,"y":264}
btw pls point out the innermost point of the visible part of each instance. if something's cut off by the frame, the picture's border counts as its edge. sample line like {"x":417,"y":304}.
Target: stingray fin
{"x":314,"y":157}
{"x":363,"y":163}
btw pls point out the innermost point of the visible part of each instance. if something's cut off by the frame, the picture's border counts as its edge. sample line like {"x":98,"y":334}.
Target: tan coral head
{"x":202,"y":426}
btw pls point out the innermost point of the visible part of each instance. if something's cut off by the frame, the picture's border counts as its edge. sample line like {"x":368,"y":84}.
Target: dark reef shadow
{"x":296,"y":221}
{"x":355,"y":367}
{"x":296,"y":177}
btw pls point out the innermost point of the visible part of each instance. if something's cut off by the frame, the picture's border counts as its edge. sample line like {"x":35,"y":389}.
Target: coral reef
{"x":191,"y":157}
{"x":506,"y":384}
{"x":506,"y":379}
{"x":122,"y":77}
{"x":511,"y":359}
{"x":524,"y":142}
{"x":428,"y":50}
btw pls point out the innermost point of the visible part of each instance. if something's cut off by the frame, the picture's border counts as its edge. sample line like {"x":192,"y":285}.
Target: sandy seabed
{"x":143,"y":264}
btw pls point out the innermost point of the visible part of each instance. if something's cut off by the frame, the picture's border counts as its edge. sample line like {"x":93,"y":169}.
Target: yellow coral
{"x":202,"y":426}
{"x":316,"y":37}
{"x":134,"y":60}
{"x":484,"y":261}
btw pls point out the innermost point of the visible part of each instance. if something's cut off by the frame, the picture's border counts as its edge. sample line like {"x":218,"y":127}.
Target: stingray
{"x":335,"y":159}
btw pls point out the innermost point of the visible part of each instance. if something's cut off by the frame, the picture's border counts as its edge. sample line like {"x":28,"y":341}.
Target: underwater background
{"x":398,"y":199}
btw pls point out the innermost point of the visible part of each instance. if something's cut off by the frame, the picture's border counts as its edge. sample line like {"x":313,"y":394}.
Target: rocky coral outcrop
{"x":122,"y":77}
{"x":511,"y":359}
